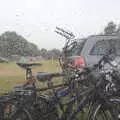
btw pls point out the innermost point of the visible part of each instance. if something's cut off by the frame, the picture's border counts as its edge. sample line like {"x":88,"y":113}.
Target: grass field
{"x":11,"y":74}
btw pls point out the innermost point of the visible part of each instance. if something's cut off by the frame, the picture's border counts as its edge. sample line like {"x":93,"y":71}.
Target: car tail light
{"x":79,"y":62}
{"x":76,"y":62}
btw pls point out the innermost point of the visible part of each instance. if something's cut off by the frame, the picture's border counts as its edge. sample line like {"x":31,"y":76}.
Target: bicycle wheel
{"x":44,"y":108}
{"x":22,"y":115}
{"x":99,"y":112}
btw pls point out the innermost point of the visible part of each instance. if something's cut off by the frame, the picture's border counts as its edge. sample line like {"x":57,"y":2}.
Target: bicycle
{"x":101,"y":96}
{"x":30,"y":104}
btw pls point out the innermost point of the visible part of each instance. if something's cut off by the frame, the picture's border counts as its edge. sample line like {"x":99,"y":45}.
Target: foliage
{"x":50,"y":54}
{"x":13,"y":44}
{"x":110,"y":28}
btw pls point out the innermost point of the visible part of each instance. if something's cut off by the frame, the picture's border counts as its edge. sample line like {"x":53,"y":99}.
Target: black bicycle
{"x":99,"y":93}
{"x":31,"y":104}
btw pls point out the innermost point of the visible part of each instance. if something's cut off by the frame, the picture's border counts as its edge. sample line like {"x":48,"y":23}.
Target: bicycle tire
{"x":22,"y":115}
{"x":98,"y":112}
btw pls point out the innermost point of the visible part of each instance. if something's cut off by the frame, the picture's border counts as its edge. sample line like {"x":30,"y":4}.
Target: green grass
{"x":11,"y":74}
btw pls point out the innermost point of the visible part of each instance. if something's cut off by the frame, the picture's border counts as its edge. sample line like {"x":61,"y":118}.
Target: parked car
{"x":3,"y":60}
{"x":91,"y":49}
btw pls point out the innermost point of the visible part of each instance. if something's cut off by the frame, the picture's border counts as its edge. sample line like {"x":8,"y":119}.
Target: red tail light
{"x":79,"y":62}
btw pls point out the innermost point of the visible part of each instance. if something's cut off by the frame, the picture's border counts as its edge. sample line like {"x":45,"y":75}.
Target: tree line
{"x":13,"y":44}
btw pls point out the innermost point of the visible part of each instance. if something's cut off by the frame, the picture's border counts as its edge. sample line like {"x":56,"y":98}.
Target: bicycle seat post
{"x":30,"y":79}
{"x":28,"y":73}
{"x":49,"y":83}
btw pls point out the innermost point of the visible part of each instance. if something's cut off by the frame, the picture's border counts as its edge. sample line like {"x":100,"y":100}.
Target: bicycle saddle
{"x":44,"y":76}
{"x":27,"y":65}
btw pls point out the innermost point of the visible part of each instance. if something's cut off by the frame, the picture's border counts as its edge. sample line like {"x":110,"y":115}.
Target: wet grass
{"x":11,"y":74}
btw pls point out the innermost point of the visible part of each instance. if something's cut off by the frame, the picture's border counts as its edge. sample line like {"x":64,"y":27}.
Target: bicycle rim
{"x":22,"y":115}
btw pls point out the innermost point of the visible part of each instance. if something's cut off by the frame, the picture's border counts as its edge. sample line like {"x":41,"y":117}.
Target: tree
{"x":43,"y":53}
{"x":13,"y":44}
{"x":118,"y":30}
{"x":55,"y":53}
{"x":50,"y":54}
{"x":110,"y":28}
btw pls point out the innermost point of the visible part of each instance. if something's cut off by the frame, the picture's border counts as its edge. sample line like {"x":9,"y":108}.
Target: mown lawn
{"x":11,"y":74}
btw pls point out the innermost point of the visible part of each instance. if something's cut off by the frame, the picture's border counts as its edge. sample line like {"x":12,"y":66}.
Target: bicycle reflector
{"x":7,"y":108}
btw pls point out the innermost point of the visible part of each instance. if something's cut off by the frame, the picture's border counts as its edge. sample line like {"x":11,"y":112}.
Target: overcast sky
{"x":36,"y":19}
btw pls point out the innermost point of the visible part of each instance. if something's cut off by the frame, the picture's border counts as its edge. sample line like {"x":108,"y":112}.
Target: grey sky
{"x":37,"y":19}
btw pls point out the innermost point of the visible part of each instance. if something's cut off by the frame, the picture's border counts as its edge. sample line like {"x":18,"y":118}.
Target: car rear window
{"x":76,"y":51}
{"x":101,"y":47}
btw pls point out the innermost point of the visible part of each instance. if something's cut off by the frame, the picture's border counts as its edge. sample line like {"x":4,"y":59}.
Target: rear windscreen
{"x":101,"y":47}
{"x":76,"y":50}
